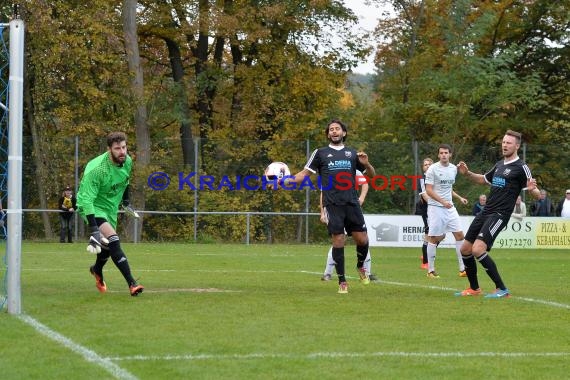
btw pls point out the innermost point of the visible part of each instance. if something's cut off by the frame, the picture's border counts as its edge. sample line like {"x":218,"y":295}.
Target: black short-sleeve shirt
{"x":421,"y":205}
{"x":507,"y":179}
{"x":337,"y":174}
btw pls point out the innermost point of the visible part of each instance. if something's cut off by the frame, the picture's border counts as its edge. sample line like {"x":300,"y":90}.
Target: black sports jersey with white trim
{"x":507,"y":179}
{"x":421,"y":205}
{"x":337,"y":171}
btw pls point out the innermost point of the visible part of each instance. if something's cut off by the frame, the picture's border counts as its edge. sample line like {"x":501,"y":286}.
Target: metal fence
{"x":184,"y":211}
{"x":307,"y":235}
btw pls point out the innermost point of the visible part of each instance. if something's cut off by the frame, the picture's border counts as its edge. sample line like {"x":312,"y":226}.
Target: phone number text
{"x":515,"y":243}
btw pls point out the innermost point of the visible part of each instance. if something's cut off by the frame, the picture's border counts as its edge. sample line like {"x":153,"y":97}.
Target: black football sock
{"x":361,"y":253}
{"x":424,"y":253}
{"x":338,"y":257}
{"x":471,"y":270}
{"x":100,"y":262}
{"x":492,"y":271}
{"x":120,"y":260}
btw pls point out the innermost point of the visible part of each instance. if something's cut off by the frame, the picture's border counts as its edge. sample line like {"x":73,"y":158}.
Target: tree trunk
{"x":41,"y":168}
{"x":137,"y":91}
{"x":186,"y":137}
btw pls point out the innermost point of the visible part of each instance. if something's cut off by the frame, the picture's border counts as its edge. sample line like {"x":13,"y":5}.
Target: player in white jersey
{"x":442,"y":214}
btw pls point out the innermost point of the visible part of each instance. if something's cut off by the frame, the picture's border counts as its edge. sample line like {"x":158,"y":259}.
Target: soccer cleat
{"x":432,"y":274}
{"x":363,"y":276}
{"x":499,"y":293}
{"x":343,"y":288}
{"x":424,"y":266}
{"x":136,"y":289}
{"x":326,"y":277}
{"x":99,"y":283}
{"x":462,"y":274}
{"x":373,"y":277}
{"x":469,"y":292}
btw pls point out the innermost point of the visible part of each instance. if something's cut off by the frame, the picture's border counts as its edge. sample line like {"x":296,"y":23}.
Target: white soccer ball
{"x":276,"y":170}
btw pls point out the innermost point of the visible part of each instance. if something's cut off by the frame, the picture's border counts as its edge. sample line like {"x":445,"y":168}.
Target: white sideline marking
{"x":88,"y":355}
{"x":548,"y":303}
{"x":328,"y":355}
{"x":526,"y":299}
{"x":533,"y":300}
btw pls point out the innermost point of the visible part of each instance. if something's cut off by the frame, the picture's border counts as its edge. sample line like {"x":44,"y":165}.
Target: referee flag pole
{"x":14,"y":210}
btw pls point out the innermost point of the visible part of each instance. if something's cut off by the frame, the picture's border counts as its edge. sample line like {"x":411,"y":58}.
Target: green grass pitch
{"x":262,"y":312}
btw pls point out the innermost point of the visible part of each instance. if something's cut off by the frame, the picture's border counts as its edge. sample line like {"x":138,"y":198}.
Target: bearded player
{"x":104,"y":187}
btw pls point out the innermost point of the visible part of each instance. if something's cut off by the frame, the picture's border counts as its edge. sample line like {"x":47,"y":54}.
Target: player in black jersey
{"x":421,"y":208}
{"x":507,"y":178}
{"x":336,"y":166}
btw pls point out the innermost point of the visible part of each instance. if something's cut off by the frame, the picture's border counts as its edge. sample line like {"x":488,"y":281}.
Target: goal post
{"x":15,"y":158}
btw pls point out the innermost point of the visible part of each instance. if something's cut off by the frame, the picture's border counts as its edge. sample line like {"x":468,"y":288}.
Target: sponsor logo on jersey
{"x":499,"y":182}
{"x":340,"y":165}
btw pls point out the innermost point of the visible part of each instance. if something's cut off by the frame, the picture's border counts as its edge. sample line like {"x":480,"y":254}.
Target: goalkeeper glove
{"x":130,"y":211}
{"x":94,"y":241}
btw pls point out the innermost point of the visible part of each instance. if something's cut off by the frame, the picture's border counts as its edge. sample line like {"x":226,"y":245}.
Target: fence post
{"x":307,"y":196}
{"x":523,"y":197}
{"x":247,"y":228}
{"x":416,"y":172}
{"x":196,"y":191}
{"x":76,"y":218}
{"x":136,"y":234}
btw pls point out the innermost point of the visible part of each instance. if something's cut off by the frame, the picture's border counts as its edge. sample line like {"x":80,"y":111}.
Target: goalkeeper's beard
{"x":120,"y":160}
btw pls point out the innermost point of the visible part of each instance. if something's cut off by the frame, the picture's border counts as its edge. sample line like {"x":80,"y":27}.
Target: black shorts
{"x":426,"y":225}
{"x":343,"y":218}
{"x":486,"y":228}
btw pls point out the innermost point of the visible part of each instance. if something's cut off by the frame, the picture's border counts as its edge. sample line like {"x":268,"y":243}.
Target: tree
{"x":72,"y":89}
{"x":236,"y":52}
{"x":142,"y":134}
{"x":267,"y":70}
{"x":453,"y":86}
{"x":477,"y":69}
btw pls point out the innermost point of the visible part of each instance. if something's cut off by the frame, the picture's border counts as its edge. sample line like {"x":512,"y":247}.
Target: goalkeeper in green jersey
{"x":103,"y":188}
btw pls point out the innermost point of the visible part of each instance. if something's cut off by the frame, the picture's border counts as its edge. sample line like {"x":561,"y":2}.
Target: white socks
{"x":458,"y":244}
{"x":367,"y":263}
{"x":330,"y":263}
{"x":431,"y":256}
